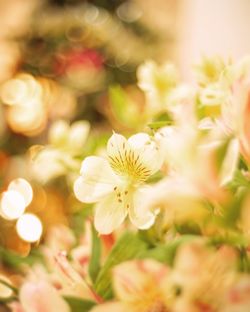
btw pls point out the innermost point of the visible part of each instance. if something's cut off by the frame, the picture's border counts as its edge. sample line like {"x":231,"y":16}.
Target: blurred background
{"x":75,"y":60}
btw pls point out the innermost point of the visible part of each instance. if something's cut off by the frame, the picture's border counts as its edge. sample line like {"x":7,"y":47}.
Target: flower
{"x":65,"y":143}
{"x":69,"y":138}
{"x":203,"y":275}
{"x":134,"y":289}
{"x":41,"y":296}
{"x":116,"y":183}
{"x":157,"y":82}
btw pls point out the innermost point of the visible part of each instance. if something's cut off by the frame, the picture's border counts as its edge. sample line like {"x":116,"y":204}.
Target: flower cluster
{"x":165,"y":209}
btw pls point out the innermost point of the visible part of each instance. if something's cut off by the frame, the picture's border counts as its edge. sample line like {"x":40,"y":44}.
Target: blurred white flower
{"x":157,"y":82}
{"x":69,"y":138}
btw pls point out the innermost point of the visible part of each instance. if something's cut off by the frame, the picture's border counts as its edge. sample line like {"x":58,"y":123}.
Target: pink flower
{"x":41,"y":297}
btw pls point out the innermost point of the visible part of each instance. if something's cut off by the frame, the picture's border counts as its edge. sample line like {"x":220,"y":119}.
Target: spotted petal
{"x":150,"y":156}
{"x":110,"y":213}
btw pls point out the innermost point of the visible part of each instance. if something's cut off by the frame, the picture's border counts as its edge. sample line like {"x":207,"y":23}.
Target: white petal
{"x":78,"y":134}
{"x":97,"y":169}
{"x":96,"y":181}
{"x":110,"y":213}
{"x":116,"y":145}
{"x":146,"y":148}
{"x":139,"y":214}
{"x":88,"y":192}
{"x":58,"y":132}
{"x":139,"y":140}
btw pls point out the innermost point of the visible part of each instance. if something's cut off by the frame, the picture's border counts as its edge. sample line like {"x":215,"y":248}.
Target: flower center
{"x":127,"y":163}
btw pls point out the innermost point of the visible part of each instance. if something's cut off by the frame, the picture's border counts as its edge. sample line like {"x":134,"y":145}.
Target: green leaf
{"x":239,"y":180}
{"x":129,"y":246}
{"x":221,"y":153}
{"x":159,"y":124}
{"x":161,"y":120}
{"x":233,"y":210}
{"x":166,"y":252}
{"x":13,"y":260}
{"x":79,"y":305}
{"x":94,"y":265}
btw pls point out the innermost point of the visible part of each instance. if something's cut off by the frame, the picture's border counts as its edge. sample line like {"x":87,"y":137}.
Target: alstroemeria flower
{"x":157,"y":82}
{"x":202,"y":275}
{"x":143,"y":289}
{"x":116,"y":184}
{"x":41,"y":296}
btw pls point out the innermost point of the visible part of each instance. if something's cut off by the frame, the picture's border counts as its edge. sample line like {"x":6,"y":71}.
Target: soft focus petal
{"x":41,"y":297}
{"x":78,"y":134}
{"x":96,"y":181}
{"x":110,"y":213}
{"x":133,"y":280}
{"x":230,"y":162}
{"x":111,"y":307}
{"x":48,"y":164}
{"x":58,"y":133}
{"x":139,"y":214}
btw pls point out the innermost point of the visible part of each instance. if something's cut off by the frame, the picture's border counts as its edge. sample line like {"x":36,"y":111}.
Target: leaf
{"x":79,"y":305}
{"x":129,"y":246}
{"x":233,"y":210}
{"x":159,"y":124}
{"x":13,"y":260}
{"x":161,"y":120}
{"x":239,"y":180}
{"x":94,"y":265}
{"x":166,"y":252}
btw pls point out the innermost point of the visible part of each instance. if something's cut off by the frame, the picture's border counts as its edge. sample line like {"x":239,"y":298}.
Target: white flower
{"x":116,"y":184}
{"x":157,"y":82}
{"x":69,"y":138}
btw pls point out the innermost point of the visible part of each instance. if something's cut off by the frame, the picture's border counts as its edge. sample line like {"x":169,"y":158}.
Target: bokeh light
{"x":12,"y":205}
{"x":29,"y":227}
{"x":24,"y":188}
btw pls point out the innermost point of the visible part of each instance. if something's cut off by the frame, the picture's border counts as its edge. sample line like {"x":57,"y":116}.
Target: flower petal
{"x":111,"y":307}
{"x":139,"y":214}
{"x":146,"y":148}
{"x":78,"y":134}
{"x":132,"y":281}
{"x":116,"y":145}
{"x":96,"y":181}
{"x":41,"y":296}
{"x":110,"y":213}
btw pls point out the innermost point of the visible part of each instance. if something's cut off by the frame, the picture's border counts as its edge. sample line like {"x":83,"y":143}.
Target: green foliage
{"x":161,"y":120}
{"x":239,"y":180}
{"x":233,"y":210}
{"x":128,"y":247}
{"x":79,"y":305}
{"x":15,"y":261}
{"x":94,"y":265}
{"x":166,"y":252}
